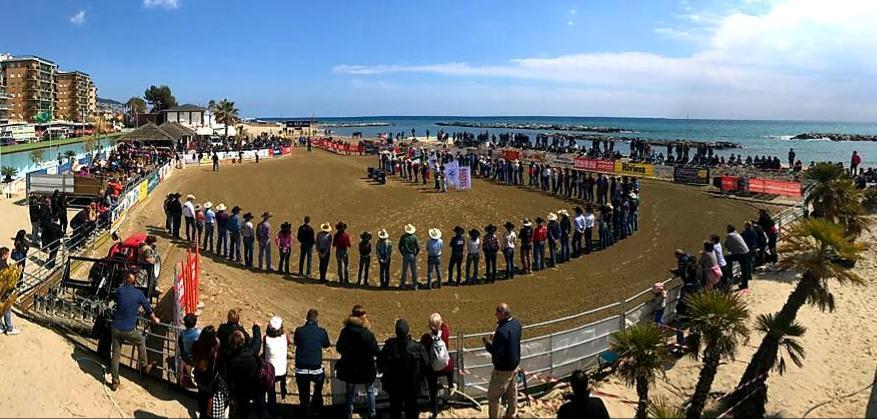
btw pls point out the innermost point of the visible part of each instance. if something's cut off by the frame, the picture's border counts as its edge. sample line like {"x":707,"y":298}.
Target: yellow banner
{"x":634,"y":169}
{"x":144,"y":191}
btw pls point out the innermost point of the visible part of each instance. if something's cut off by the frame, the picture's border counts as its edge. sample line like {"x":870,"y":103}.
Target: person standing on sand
{"x":582,"y":405}
{"x":505,"y":353}
{"x":491,"y":248}
{"x":263,"y":236}
{"x":324,"y":248}
{"x":342,"y":242}
{"x":215,"y":159}
{"x":384,"y":249}
{"x":248,"y":235}
{"x":434,"y":257}
{"x":222,"y":243}
{"x":508,"y":249}
{"x":436,"y":342}
{"x":365,"y":258}
{"x":129,"y":300}
{"x":358,"y":348}
{"x":579,"y":232}
{"x":553,"y":236}
{"x":284,"y":246}
{"x":310,"y":341}
{"x":590,"y":220}
{"x":409,"y":248}
{"x":473,"y":255}
{"x":305,"y":237}
{"x":565,"y":229}
{"x":189,"y":215}
{"x":209,"y":226}
{"x":855,"y":160}
{"x":457,"y":244}
{"x":404,"y":363}
{"x":525,"y":237}
{"x":175,"y":209}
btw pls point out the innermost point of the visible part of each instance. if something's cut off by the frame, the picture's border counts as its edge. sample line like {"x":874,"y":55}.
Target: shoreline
{"x":18,"y":148}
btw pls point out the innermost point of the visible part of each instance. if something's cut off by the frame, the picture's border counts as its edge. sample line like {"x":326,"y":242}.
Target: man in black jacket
{"x":305,"y":238}
{"x":505,"y":353}
{"x":582,"y":405}
{"x":358,"y":348}
{"x":242,"y":370}
{"x":310,"y":340}
{"x":403,"y":362}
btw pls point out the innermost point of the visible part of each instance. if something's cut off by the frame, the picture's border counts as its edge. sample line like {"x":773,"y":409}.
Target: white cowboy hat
{"x":190,"y":197}
{"x":220,"y":207}
{"x":552,"y":216}
{"x":327,"y":227}
{"x":382,"y":234}
{"x":435,"y":233}
{"x":410,"y":229}
{"x":275,"y":323}
{"x":563,"y":212}
{"x":526,"y":222}
{"x":208,"y":205}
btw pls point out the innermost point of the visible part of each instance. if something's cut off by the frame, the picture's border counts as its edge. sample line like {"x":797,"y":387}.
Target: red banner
{"x":727,"y":183}
{"x":594,"y":165}
{"x":191,"y":274}
{"x":775,"y":187}
{"x":511,"y":154}
{"x":285,"y":150}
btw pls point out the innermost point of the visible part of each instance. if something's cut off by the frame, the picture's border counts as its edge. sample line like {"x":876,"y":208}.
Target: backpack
{"x":266,"y":375}
{"x":438,"y":354}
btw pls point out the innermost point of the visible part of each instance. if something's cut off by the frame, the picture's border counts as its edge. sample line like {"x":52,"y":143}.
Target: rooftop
{"x":185,"y":108}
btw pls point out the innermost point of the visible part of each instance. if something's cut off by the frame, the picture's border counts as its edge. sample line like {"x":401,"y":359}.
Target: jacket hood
{"x":357,"y":321}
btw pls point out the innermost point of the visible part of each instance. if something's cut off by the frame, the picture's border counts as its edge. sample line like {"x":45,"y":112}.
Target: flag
{"x":452,"y":174}
{"x":464,"y":179}
{"x":43,"y":117}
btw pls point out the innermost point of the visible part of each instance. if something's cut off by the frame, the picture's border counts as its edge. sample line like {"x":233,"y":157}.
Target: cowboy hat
{"x":474,"y":233}
{"x":552,"y":216}
{"x":208,"y":205}
{"x":326,"y":227}
{"x":435,"y":233}
{"x":410,"y":229}
{"x":563,"y":212}
{"x":275,"y":323}
{"x":236,"y":209}
{"x":539,"y":220}
{"x":220,"y":207}
{"x":197,"y":207}
{"x":526,"y":222}
{"x":248,"y":216}
{"x":286,"y":226}
{"x":509,"y":225}
{"x":267,"y":214}
{"x":382,"y":234}
{"x":190,"y":197}
{"x":340,"y":226}
{"x":365,"y":235}
{"x":490,"y":228}
{"x":459,"y":230}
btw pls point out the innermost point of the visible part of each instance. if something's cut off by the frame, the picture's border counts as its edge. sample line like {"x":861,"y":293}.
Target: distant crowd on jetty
{"x":835,"y":136}
{"x":532,"y":126}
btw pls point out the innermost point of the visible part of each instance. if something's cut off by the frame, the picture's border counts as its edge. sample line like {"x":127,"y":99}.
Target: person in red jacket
{"x":855,"y":160}
{"x":341,"y":242}
{"x":438,"y":353}
{"x":540,"y":235}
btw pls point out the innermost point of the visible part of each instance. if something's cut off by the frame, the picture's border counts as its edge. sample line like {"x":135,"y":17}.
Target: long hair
{"x":204,"y":350}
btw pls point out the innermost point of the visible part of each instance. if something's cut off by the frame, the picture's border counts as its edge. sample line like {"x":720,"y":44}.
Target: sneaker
{"x":12,"y":332}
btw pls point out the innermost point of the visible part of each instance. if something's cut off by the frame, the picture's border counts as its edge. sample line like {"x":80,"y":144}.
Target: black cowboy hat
{"x":248,"y":216}
{"x":365,"y":235}
{"x":235,"y":209}
{"x":286,"y":226}
{"x":539,"y":220}
{"x":474,"y":233}
{"x":340,"y":226}
{"x":508,"y":224}
{"x":458,"y":229}
{"x":490,"y":228}
{"x":577,"y":209}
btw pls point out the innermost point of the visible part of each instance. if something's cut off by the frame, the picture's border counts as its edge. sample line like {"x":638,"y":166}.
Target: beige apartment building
{"x":30,"y":86}
{"x":75,"y":98}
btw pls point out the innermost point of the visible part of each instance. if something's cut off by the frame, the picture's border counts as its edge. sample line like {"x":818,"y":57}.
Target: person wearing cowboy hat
{"x":284,"y":246}
{"x":605,"y":232}
{"x":365,"y":258}
{"x":540,"y":236}
{"x":248,"y":234}
{"x":565,"y":230}
{"x":168,"y":217}
{"x":579,"y":232}
{"x":473,"y":255}
{"x":175,"y":209}
{"x":235,"y":246}
{"x":199,"y":224}
{"x":490,"y":245}
{"x":525,"y":237}
{"x":508,"y":249}
{"x":434,"y":257}
{"x":324,"y":248}
{"x":384,"y":249}
{"x":222,"y":217}
{"x":553,"y":236}
{"x":457,"y":245}
{"x":209,"y":226}
{"x":189,"y":216}
{"x":306,"y":240}
{"x":341,"y":242}
{"x":409,"y":248}
{"x":590,"y":220}
{"x":263,"y":237}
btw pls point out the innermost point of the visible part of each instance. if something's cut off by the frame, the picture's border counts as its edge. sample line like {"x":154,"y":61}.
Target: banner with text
{"x":634,"y":169}
{"x":594,"y":165}
{"x":694,"y":175}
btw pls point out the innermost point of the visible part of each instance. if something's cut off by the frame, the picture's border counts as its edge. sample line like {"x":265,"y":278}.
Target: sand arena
{"x":332,"y":188}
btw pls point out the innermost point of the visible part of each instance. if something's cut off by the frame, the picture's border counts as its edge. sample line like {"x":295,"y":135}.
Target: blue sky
{"x":783,"y":59}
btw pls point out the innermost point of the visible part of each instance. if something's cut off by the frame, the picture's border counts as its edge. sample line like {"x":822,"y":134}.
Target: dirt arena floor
{"x":332,"y":188}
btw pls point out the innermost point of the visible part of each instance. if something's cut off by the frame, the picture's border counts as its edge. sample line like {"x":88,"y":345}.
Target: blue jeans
{"x":433,"y":263}
{"x":208,"y":237}
{"x":509,"y":255}
{"x":307,"y":252}
{"x":248,"y":251}
{"x":370,"y":397}
{"x":589,"y":240}
{"x":552,"y":252}
{"x":343,"y":264}
{"x":234,"y":246}
{"x":409,"y":262}
{"x":362,"y":274}
{"x":538,"y":255}
{"x":564,"y":249}
{"x":6,"y":325}
{"x":472,"y":260}
{"x":222,"y":245}
{"x":265,"y":252}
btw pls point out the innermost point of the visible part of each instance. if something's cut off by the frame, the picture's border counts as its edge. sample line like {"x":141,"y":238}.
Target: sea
{"x":771,"y":138}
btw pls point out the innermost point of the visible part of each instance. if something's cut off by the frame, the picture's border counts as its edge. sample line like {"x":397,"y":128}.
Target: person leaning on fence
{"x":436,"y":342}
{"x":242,"y":371}
{"x":581,"y":404}
{"x":358,"y":348}
{"x":310,"y":340}
{"x":185,"y":342}
{"x":505,"y":353}
{"x":403,"y":363}
{"x":129,"y":300}
{"x":233,"y":319}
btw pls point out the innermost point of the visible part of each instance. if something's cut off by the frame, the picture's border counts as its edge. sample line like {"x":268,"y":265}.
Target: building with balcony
{"x":4,"y":101}
{"x":75,"y":98}
{"x":30,"y":86}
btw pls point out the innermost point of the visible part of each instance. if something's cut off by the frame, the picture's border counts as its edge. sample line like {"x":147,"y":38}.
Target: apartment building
{"x":30,"y":86}
{"x":76,"y":96}
{"x":4,"y":101}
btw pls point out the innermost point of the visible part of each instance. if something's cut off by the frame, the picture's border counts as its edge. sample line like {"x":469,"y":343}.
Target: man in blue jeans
{"x":409,"y":249}
{"x":310,"y":341}
{"x":129,"y":300}
{"x":434,"y":257}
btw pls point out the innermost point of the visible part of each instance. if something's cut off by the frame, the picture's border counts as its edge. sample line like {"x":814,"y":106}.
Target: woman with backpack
{"x":436,"y":342}
{"x":274,"y":352}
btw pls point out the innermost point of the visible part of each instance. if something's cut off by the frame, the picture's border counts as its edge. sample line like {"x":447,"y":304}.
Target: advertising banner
{"x":452,"y":174}
{"x":465,"y":179}
{"x":536,"y":156}
{"x":561,"y":160}
{"x":634,"y":169}
{"x":142,"y":191}
{"x":693,"y":175}
{"x":152,"y":182}
{"x":775,"y":187}
{"x":594,"y":165}
{"x":665,"y":172}
{"x":726,"y":183}
{"x":510,"y":154}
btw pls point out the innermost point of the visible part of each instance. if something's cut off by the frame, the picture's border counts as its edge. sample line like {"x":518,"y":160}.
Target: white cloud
{"x":166,"y":4}
{"x":570,"y":23}
{"x":572,"y":11}
{"x":78,"y":18}
{"x":798,"y":59}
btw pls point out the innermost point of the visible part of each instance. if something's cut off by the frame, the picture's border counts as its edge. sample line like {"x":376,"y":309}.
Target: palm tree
{"x":70,"y":154}
{"x":817,"y":249}
{"x":661,"y":408}
{"x":718,"y":325}
{"x":225,"y":113}
{"x":642,"y":350}
{"x":835,"y":197}
{"x":8,"y":172}
{"x":36,"y":156}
